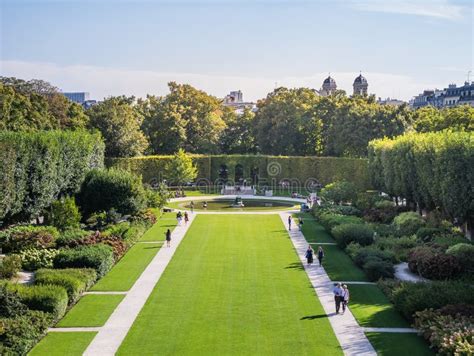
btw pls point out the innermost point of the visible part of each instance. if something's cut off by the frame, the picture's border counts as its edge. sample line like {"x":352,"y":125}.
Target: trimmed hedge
{"x":99,"y":257}
{"x":358,"y":233}
{"x":18,"y":238}
{"x":408,"y":223}
{"x":38,"y":167}
{"x":329,"y":220}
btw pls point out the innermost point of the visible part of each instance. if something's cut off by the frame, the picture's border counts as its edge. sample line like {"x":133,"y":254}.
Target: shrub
{"x":364,"y":254}
{"x":427,"y":234}
{"x":103,"y":190}
{"x":387,"y":286}
{"x":71,"y":236}
{"x":465,"y":255}
{"x":339,"y":192}
{"x":384,"y":204}
{"x":19,"y":334}
{"x":117,"y":243}
{"x":117,"y":230}
{"x":432,"y":263}
{"x":398,"y":246}
{"x":47,"y":298}
{"x":352,"y":249}
{"x":455,"y":309}
{"x":33,"y":258}
{"x":347,"y":233}
{"x":10,"y":266}
{"x":329,"y":220}
{"x":382,"y":230}
{"x":412,"y":297}
{"x":376,"y":268}
{"x":10,"y":303}
{"x":75,"y":281}
{"x":447,"y":240}
{"x":145,"y":216}
{"x":99,"y":257}
{"x":449,"y":335}
{"x":22,"y":237}
{"x":64,"y":214}
{"x":408,"y":223}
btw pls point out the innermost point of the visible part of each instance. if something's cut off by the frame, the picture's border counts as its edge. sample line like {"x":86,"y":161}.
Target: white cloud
{"x":442,"y":9}
{"x":102,"y":82}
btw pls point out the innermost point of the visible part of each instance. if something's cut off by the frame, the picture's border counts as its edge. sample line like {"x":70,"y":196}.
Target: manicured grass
{"x":157,"y":231}
{"x":371,"y":308}
{"x":61,"y":344}
{"x":91,"y":310}
{"x":312,"y":230}
{"x":124,"y":274}
{"x":392,"y":344}
{"x":234,"y":286}
{"x":339,"y":266}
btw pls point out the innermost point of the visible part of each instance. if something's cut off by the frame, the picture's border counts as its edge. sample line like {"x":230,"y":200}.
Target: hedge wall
{"x":36,"y":167}
{"x":271,"y":169}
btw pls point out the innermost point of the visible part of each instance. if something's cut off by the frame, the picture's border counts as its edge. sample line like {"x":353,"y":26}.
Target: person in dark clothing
{"x":309,"y":255}
{"x":338,"y":296}
{"x":289,"y":222}
{"x":320,"y":255}
{"x":168,"y":238}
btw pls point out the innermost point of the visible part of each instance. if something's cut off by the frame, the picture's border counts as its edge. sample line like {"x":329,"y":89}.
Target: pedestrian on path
{"x":338,"y":296}
{"x":309,"y":255}
{"x":320,"y":255}
{"x":192,"y":206}
{"x":289,"y":222}
{"x":168,"y":238}
{"x":179,"y":217}
{"x":300,"y":225}
{"x":345,"y":297}
{"x":186,"y":218}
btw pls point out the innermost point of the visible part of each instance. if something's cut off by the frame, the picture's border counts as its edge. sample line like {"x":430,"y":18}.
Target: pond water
{"x":226,"y":204}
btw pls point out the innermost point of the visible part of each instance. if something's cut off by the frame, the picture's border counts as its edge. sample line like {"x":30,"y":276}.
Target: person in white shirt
{"x":345,"y":297}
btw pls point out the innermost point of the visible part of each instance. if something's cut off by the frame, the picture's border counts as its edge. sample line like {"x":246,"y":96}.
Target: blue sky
{"x":135,"y":47}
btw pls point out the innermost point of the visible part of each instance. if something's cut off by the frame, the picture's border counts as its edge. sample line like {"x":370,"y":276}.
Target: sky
{"x":118,"y":47}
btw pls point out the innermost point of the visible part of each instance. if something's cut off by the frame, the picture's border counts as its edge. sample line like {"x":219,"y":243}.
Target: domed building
{"x":329,"y":86}
{"x":360,"y":85}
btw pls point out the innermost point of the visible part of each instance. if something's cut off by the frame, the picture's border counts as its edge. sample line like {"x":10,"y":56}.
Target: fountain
{"x":238,"y":203}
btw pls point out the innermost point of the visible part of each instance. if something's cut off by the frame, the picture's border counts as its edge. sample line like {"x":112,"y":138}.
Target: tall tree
{"x":181,"y":168}
{"x":458,"y":118}
{"x":238,"y":136}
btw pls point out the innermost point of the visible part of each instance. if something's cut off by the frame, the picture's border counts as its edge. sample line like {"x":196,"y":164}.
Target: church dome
{"x":329,"y":80}
{"x":360,"y":80}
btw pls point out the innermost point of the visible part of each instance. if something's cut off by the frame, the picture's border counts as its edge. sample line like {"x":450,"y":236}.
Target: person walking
{"x":309,"y":255}
{"x":168,"y":238}
{"x":338,"y":296}
{"x":186,"y":218}
{"x":289,"y":222}
{"x":300,"y":225}
{"x":179,"y":217}
{"x":192,"y":206}
{"x":320,"y":255}
{"x":345,"y":297}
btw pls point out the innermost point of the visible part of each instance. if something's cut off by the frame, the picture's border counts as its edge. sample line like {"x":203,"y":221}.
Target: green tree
{"x":458,"y":118}
{"x":181,"y":169}
{"x":119,"y":123}
{"x":64,"y":214}
{"x":238,"y":136}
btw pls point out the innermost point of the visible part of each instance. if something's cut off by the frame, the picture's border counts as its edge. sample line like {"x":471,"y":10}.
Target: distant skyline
{"x":135,"y":47}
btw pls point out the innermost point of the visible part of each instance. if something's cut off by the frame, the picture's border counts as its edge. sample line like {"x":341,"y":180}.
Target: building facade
{"x":77,"y":97}
{"x":448,"y":97}
{"x":329,"y":86}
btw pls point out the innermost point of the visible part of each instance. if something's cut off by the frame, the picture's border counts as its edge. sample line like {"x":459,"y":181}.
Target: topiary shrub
{"x":19,"y":238}
{"x":339,"y":192}
{"x":10,"y":266}
{"x":358,"y":233}
{"x":376,"y":268}
{"x":330,"y":220}
{"x":433,"y":263}
{"x":408,"y":223}
{"x":464,"y":253}
{"x":33,"y":258}
{"x":99,"y":257}
{"x":64,"y":214}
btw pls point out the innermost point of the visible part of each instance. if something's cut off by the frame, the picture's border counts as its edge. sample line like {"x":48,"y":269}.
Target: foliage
{"x":20,"y":333}
{"x":119,"y":123}
{"x":68,"y":237}
{"x":117,"y":243}
{"x":376,"y":269}
{"x":181,"y":169}
{"x":38,"y":167}
{"x":464,"y":253}
{"x":339,"y":192}
{"x":432,"y":263}
{"x":427,"y":234}
{"x":398,"y":246}
{"x":18,"y":238}
{"x":10,"y":303}
{"x":364,"y":254}
{"x":346,"y":233}
{"x":429,"y":119}
{"x":447,"y":240}
{"x":75,"y":281}
{"x":408,"y":223}
{"x":448,"y":334}
{"x":329,"y":220}
{"x":103,"y":190}
{"x":10,"y":266}
{"x":156,"y":198}
{"x":238,"y":136}
{"x":33,"y":258}
{"x":64,"y":214}
{"x":99,"y":257}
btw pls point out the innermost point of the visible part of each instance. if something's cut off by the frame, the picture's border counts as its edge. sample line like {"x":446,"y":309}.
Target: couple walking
{"x":341,"y":297}
{"x":310,"y":252}
{"x":179,"y":218}
{"x":300,"y":223}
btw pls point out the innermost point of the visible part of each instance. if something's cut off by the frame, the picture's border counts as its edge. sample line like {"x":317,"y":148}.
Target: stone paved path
{"x":350,"y":335}
{"x":110,"y":336}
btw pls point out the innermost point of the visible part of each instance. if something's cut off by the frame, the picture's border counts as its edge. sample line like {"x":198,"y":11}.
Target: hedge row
{"x":37,"y":167}
{"x":270,"y":169}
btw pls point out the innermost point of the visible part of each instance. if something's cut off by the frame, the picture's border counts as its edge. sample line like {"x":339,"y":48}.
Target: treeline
{"x":431,"y":170}
{"x":36,"y":168}
{"x":287,"y":122}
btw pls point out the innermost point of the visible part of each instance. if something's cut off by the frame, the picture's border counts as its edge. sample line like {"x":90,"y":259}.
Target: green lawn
{"x":371,"y":308}
{"x":312,"y":230}
{"x":394,"y":344}
{"x":124,"y":274}
{"x":339,"y":266}
{"x":234,"y":286}
{"x":157,"y":231}
{"x":62,"y":344}
{"x":91,"y":310}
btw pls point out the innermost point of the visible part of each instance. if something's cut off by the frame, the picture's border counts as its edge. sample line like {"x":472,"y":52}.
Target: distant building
{"x":390,"y":101}
{"x":360,"y":85}
{"x":89,"y":103}
{"x":450,"y":96}
{"x":235,"y":99}
{"x":329,"y":86}
{"x":78,"y":97}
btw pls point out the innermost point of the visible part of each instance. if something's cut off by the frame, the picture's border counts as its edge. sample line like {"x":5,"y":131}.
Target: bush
{"x":135,"y":231}
{"x":400,"y":247}
{"x":19,"y":334}
{"x":455,"y":309}
{"x":117,"y":230}
{"x":329,"y":220}
{"x":447,"y":240}
{"x":376,"y":268}
{"x":10,"y":303}
{"x":75,"y":281}
{"x":64,"y":214}
{"x":33,"y":259}
{"x":339,"y":192}
{"x":433,"y":263}
{"x":412,"y":297}
{"x":145,"y":216}
{"x":19,"y":238}
{"x":384,"y":204}
{"x":47,"y":298}
{"x":347,"y":233}
{"x":10,"y":266}
{"x":99,"y":257}
{"x":408,"y":223}
{"x":387,"y":286}
{"x":427,"y":234}
{"x":464,"y":253}
{"x":365,"y":254}
{"x":104,"y":190}
{"x":447,"y":334}
{"x":71,"y":236}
